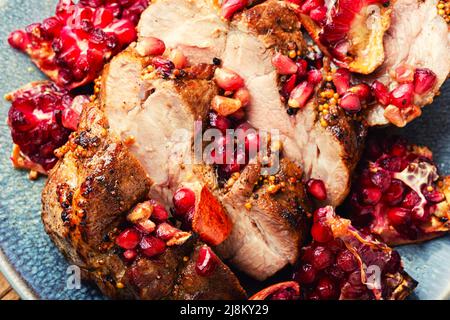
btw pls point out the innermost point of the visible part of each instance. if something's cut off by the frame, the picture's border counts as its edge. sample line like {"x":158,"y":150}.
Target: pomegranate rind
{"x":210,"y":220}
{"x":267,"y":292}
{"x":343,"y":229}
{"x":367,"y":51}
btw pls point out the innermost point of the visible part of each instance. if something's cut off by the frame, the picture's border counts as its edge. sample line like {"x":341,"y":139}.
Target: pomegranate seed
{"x":152,"y":246}
{"x":309,"y":5}
{"x":326,"y":289}
{"x":164,"y":66}
{"x":401,"y":96}
{"x":150,"y":46}
{"x":346,"y":261}
{"x":394,"y":194}
{"x":18,"y":40}
{"x":284,"y":294}
{"x":433,"y":195}
{"x":229,"y":7}
{"x":183,"y":200}
{"x":398,"y":216}
{"x":350,"y":102}
{"x":178,"y":58}
{"x":317,"y":189}
{"x":220,"y":122}
{"x":424,"y":80}
{"x":243,"y":95}
{"x":206,"y":262}
{"x":306,"y":274}
{"x":314,"y":76}
{"x":283,"y":64}
{"x":341,"y":80}
{"x":228,"y":80}
{"x":288,"y":86}
{"x":395,"y":164}
{"x":302,"y":68}
{"x":300,"y":95}
{"x":322,"y":258}
{"x":411,"y":200}
{"x":321,"y":232}
{"x":371,"y":196}
{"x":381,"y":179}
{"x":362,"y":90}
{"x":225,"y":106}
{"x":128,"y":239}
{"x":129,"y":255}
{"x":381,"y":92}
{"x":320,"y":214}
{"x":159,"y":213}
{"x":404,"y":74}
{"x":318,"y":14}
{"x":165,"y":231}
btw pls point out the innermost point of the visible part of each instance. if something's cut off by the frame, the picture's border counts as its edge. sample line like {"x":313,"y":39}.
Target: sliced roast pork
{"x":195,"y":27}
{"x":91,"y":212}
{"x":417,"y":42}
{"x":268,"y":214}
{"x":326,"y":153}
{"x":157,"y":116}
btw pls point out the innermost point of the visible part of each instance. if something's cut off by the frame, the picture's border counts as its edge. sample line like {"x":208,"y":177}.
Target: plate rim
{"x":15,"y":279}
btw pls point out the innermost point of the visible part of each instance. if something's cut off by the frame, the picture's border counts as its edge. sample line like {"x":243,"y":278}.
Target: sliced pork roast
{"x":250,"y":43}
{"x":157,"y":116}
{"x":86,"y":200}
{"x":325,"y":152}
{"x":152,"y":119}
{"x":194,"y":27}
{"x":268,"y":214}
{"x":417,"y":49}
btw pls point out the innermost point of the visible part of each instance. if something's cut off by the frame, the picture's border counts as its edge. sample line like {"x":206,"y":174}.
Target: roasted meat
{"x":269,"y":220}
{"x":86,"y":200}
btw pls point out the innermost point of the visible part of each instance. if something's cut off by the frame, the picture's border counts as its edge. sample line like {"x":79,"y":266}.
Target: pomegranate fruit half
{"x":344,"y":263}
{"x":41,"y":117}
{"x":352,"y":33}
{"x":72,"y":46}
{"x":398,"y":195}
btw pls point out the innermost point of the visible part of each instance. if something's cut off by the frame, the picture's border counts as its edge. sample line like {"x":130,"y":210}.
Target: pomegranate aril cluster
{"x":72,"y":46}
{"x":41,"y":117}
{"x":397,"y":187}
{"x":149,"y":232}
{"x":330,"y":267}
{"x":298,"y":75}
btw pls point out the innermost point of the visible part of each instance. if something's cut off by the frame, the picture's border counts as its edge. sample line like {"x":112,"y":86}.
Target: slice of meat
{"x":195,"y":27}
{"x":158,"y":116}
{"x":268,"y":220}
{"x":330,"y":153}
{"x":422,"y":42}
{"x":89,"y":189}
{"x":85,"y":202}
{"x":219,"y":283}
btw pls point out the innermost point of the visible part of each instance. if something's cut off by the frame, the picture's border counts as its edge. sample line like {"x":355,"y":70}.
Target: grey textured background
{"x":27,"y":254}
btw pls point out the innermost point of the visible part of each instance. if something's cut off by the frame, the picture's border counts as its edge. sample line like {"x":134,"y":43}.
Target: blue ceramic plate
{"x":37,"y":270}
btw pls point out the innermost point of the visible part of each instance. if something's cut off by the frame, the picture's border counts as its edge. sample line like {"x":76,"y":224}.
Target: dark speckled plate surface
{"x":35,"y":267}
